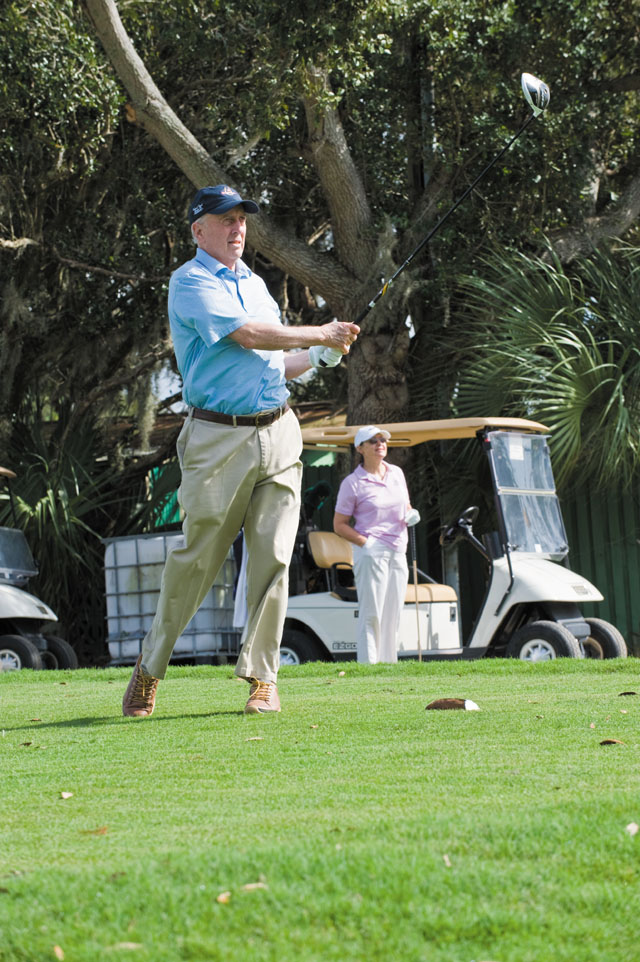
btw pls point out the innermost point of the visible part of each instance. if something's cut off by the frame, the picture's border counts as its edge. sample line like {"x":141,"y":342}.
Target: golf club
{"x":414,"y":565}
{"x":536,"y":93}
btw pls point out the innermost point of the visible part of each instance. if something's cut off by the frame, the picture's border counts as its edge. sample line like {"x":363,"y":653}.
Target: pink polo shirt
{"x":378,"y":506}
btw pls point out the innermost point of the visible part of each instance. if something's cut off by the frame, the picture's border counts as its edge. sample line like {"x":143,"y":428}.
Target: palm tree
{"x":66,"y":498}
{"x":561,"y":348}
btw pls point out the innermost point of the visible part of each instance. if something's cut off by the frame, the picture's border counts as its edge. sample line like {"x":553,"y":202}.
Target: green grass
{"x":377,"y":830}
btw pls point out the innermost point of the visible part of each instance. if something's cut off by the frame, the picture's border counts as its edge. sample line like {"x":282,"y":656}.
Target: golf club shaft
{"x":383,"y":290}
{"x":414,"y":559}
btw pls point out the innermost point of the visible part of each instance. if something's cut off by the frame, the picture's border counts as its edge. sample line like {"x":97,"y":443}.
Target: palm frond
{"x":561,"y":349}
{"x":65,"y":500}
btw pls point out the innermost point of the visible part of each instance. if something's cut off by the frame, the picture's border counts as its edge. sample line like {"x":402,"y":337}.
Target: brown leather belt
{"x":261,"y":420}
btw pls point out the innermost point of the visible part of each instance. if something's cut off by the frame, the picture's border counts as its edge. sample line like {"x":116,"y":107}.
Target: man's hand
{"x":339,"y":335}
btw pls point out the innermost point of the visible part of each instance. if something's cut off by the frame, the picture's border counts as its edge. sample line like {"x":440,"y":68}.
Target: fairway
{"x":353,"y":826}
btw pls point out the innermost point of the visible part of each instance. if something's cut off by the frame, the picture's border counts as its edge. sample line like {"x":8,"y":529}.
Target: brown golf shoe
{"x":140,"y":697}
{"x":263,"y":698}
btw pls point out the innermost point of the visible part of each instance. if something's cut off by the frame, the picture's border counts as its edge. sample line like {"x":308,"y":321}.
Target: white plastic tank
{"x":133,"y":570}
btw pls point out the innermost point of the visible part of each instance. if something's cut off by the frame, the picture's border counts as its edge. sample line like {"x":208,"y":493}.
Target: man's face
{"x":223,"y":235}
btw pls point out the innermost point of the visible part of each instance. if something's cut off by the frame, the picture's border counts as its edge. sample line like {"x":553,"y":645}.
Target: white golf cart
{"x":531,"y":604}
{"x":23,"y":617}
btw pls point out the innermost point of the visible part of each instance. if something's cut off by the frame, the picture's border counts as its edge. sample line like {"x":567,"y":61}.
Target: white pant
{"x":381,"y":581}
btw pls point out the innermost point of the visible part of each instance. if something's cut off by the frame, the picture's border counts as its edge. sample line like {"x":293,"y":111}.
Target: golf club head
{"x":536,"y":93}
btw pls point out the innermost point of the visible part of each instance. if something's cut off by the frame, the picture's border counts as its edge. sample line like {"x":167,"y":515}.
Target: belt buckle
{"x":264,"y":419}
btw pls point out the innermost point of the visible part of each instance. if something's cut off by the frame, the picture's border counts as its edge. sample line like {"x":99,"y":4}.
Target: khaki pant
{"x":232,"y":478}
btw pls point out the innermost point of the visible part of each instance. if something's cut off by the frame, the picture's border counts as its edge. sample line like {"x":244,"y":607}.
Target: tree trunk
{"x":377,"y":367}
{"x":350,"y":212}
{"x":583,"y":241}
{"x":322,"y":272}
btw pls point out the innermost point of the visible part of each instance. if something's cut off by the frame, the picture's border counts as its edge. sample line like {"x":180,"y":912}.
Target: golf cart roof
{"x":408,"y":433}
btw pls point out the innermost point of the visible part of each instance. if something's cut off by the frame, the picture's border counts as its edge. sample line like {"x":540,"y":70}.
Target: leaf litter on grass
{"x":457,"y":775}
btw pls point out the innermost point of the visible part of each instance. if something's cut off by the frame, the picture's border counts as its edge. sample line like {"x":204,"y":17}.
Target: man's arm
{"x":261,"y":336}
{"x":296,"y":364}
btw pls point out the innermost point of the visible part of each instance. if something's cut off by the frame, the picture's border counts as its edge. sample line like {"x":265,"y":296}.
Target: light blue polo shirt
{"x":207,"y":302}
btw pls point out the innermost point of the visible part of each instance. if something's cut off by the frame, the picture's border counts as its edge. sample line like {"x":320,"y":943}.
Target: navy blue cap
{"x":218,"y":200}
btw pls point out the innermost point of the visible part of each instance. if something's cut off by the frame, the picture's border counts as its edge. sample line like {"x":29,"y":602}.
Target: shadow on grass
{"x":91,"y":720}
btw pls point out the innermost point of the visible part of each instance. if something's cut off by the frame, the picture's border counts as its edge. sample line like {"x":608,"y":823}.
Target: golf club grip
{"x":332,"y":350}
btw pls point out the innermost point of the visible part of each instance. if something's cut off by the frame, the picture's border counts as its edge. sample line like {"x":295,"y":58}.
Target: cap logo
{"x":197,"y":208}
{"x":228,"y":191}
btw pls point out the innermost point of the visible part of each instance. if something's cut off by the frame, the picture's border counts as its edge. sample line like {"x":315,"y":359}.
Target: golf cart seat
{"x":428,"y":593}
{"x":332,"y":553}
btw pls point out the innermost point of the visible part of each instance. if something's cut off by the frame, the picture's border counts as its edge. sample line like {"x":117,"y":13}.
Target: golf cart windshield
{"x":523,"y":479}
{"x":16,"y":561}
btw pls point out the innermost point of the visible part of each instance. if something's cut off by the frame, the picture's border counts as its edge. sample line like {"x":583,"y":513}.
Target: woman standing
{"x":376,"y":498}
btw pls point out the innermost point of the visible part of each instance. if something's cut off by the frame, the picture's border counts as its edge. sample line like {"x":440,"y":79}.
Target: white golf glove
{"x":320,"y":356}
{"x":412,"y":517}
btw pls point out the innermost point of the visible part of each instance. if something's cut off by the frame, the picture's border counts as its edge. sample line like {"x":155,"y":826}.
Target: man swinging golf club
{"x":240,"y":445}
{"x":239,"y":449}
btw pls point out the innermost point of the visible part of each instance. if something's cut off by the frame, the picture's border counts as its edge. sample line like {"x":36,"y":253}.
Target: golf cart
{"x":23,"y":617}
{"x":531,"y":604}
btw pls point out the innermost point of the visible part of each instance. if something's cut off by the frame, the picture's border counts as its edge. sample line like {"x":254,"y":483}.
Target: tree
{"x":356,"y":123}
{"x":76,"y":329}
{"x":343,"y":275}
{"x":561,"y":345}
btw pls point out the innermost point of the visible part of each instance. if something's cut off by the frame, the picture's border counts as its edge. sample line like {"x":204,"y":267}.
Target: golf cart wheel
{"x":17,"y":652}
{"x":592,"y":649}
{"x":297,"y":648}
{"x":543,"y":641}
{"x":607,"y":637}
{"x":59,"y":654}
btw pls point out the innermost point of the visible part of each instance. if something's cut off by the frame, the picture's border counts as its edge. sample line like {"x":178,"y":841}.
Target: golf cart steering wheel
{"x":451,"y":533}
